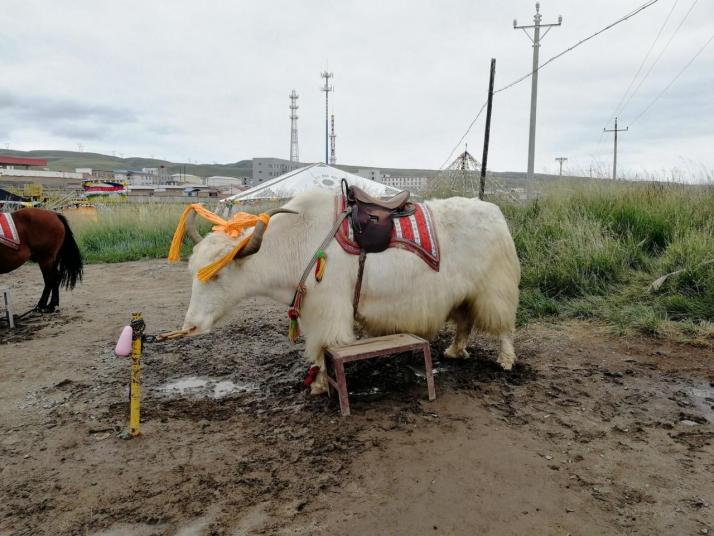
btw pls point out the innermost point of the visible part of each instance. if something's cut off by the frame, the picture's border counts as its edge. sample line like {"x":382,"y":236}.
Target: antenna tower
{"x":333,"y":158}
{"x":326,"y":88}
{"x":294,"y":156}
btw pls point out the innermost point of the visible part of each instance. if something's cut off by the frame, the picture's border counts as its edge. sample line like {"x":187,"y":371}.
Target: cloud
{"x":212,"y":83}
{"x":63,"y":117}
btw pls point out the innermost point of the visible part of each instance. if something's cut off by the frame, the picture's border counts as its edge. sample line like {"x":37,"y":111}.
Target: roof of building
{"x":18,"y":161}
{"x":9,"y":196}
{"x":312,"y":177}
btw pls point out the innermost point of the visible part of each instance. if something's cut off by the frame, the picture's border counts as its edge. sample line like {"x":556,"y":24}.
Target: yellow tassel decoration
{"x":175,"y":249}
{"x":233,"y":228}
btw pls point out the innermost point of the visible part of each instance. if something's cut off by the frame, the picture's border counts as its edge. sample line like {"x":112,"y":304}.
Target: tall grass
{"x":132,"y":231}
{"x":592,"y":251}
{"x":127,"y":232}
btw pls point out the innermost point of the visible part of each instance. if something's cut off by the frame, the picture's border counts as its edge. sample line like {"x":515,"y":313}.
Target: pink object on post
{"x":123,"y":347}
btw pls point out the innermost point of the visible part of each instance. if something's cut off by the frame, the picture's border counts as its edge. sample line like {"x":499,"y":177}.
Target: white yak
{"x":476,"y":286}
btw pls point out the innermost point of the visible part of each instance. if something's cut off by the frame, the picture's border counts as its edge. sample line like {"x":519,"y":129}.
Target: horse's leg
{"x":49,"y":274}
{"x":54,"y":300}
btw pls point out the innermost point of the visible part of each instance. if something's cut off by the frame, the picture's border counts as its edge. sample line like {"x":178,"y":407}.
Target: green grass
{"x":133,"y":231}
{"x":588,"y":251}
{"x":594,"y":251}
{"x":127,"y":232}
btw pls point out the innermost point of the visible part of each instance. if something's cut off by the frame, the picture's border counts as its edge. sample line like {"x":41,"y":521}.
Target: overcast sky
{"x":209,"y":81}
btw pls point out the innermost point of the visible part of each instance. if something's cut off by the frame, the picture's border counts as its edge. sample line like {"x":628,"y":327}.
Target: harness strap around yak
{"x":320,"y":258}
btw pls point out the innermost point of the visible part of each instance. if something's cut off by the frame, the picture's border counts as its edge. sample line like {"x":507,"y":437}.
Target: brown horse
{"x":45,"y":237}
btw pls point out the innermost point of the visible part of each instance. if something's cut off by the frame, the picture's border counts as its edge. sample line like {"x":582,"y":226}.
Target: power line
{"x":659,"y":56}
{"x":644,"y":111}
{"x":642,"y":63}
{"x":618,"y":109}
{"x":468,"y":130}
{"x":526,"y":76}
{"x":618,"y":21}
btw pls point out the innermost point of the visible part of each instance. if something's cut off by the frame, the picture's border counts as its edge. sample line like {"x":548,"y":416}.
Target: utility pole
{"x":487,"y":131}
{"x":327,"y":88}
{"x":294,"y":156}
{"x":614,"y":157}
{"x":561,"y":159}
{"x":536,"y":39}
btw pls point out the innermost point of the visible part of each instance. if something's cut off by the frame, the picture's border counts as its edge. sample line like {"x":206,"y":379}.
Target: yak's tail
{"x":70,"y":265}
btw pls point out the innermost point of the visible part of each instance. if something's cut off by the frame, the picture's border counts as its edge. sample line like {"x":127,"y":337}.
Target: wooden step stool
{"x":337,"y":356}
{"x":7,"y":299}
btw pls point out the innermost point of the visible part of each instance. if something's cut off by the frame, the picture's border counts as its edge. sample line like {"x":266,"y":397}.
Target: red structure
{"x":25,"y":163}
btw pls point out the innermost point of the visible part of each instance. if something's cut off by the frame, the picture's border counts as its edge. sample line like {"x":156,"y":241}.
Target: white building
{"x":268,"y":168}
{"x":413,"y":184}
{"x":372,"y":174}
{"x":185,"y":178}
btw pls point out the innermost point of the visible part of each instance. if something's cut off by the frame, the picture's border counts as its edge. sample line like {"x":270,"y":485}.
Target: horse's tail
{"x":70,"y":266}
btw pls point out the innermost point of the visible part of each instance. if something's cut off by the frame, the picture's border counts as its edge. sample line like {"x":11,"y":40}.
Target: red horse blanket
{"x":415,"y":233}
{"x":8,"y":232}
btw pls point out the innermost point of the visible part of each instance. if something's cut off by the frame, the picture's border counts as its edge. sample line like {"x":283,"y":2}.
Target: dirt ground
{"x":590,"y":434}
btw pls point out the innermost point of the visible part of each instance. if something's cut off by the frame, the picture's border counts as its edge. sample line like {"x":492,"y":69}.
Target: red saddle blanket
{"x":8,"y":232}
{"x":415,"y":233}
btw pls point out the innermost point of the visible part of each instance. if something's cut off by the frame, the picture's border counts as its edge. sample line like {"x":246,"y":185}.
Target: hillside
{"x":69,"y":160}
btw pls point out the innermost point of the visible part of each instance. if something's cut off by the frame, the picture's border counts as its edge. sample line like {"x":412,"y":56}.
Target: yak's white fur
{"x":477,"y":284}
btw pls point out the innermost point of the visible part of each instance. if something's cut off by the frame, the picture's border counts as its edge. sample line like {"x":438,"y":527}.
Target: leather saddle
{"x":372,"y":218}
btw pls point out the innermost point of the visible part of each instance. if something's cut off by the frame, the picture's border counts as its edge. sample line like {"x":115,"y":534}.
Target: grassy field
{"x":593,"y":252}
{"x":127,"y":232}
{"x":587,"y":251}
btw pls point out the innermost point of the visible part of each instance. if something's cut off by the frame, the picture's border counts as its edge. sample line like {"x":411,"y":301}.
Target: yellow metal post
{"x":137,"y":328}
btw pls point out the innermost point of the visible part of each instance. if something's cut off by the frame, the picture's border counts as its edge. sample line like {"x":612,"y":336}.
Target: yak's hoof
{"x":453,"y":353}
{"x":506,"y":361}
{"x":319,"y":386}
{"x":316,"y":390}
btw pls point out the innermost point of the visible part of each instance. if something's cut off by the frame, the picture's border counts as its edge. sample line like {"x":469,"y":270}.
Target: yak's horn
{"x":191,"y":231}
{"x":257,"y":238}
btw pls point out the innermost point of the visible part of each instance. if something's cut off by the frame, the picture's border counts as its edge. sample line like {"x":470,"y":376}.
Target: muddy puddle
{"x":194,"y":386}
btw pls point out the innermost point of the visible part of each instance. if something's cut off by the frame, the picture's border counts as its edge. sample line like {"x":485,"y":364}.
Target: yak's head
{"x":211,"y":299}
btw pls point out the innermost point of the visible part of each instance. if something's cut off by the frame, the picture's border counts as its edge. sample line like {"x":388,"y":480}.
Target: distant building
{"x":221,"y":180}
{"x":143,"y":176}
{"x":269,"y":168}
{"x":413,"y":184}
{"x":372,"y":174}
{"x":171,"y":193}
{"x":14,"y":162}
{"x":14,"y":169}
{"x":185,"y":178}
